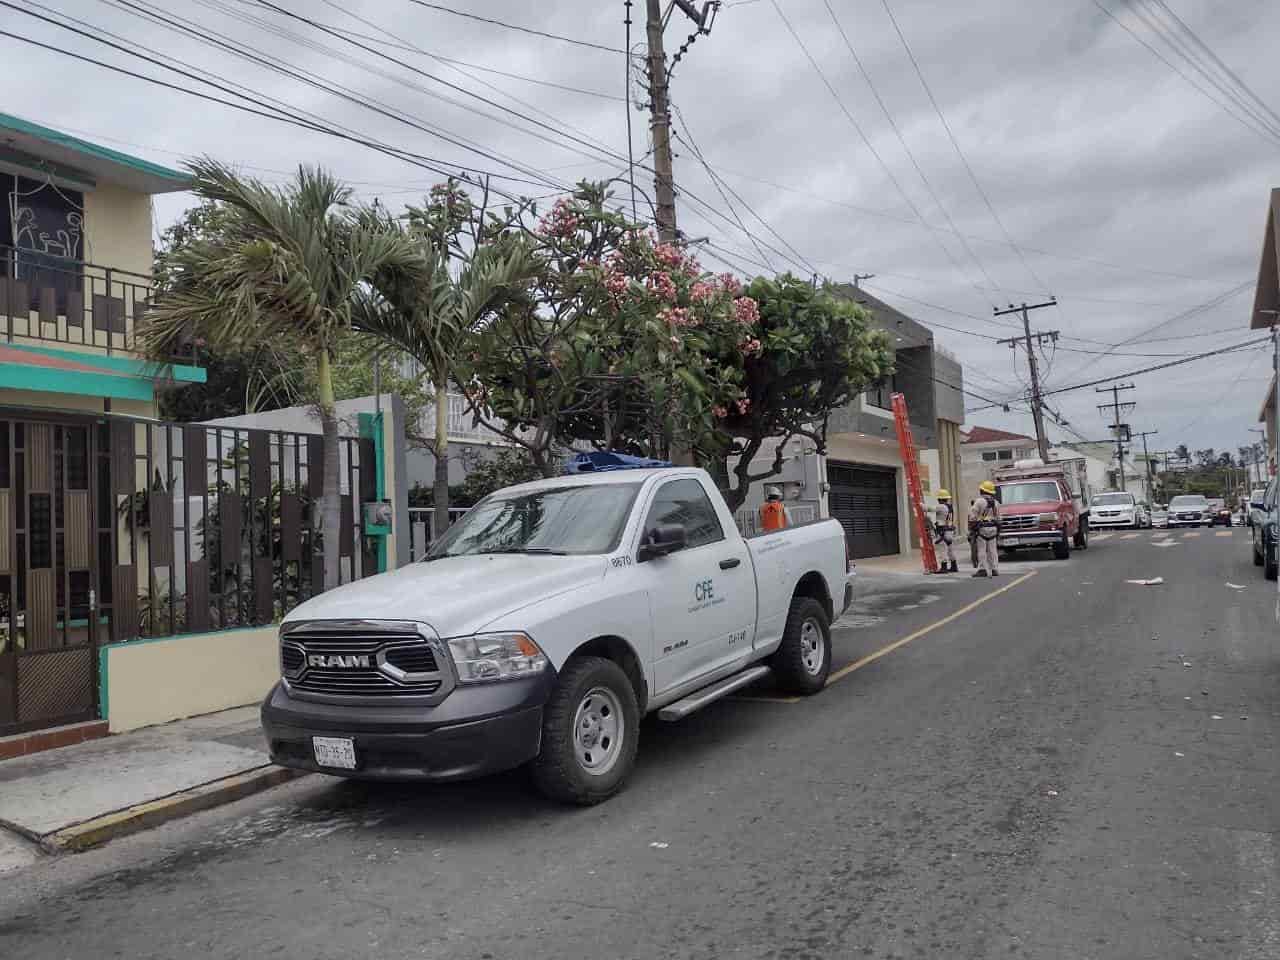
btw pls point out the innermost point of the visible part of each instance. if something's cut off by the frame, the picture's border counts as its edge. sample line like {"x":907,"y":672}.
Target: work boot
{"x":954,"y":567}
{"x":980,"y":573}
{"x":995,"y":573}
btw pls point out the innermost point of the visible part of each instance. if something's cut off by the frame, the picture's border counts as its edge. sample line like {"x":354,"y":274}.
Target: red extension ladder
{"x":911,"y":462}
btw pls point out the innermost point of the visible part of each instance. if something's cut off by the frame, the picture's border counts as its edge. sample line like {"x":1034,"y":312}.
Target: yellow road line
{"x":1189,"y":535}
{"x":872,"y":657}
{"x":1223,"y":533}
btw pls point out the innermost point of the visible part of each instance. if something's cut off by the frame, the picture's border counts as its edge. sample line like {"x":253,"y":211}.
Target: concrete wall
{"x":947,"y":387}
{"x":145,"y":682}
{"x":117,"y":228}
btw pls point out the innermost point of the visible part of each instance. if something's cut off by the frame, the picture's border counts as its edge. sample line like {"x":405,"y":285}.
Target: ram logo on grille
{"x":338,"y":660}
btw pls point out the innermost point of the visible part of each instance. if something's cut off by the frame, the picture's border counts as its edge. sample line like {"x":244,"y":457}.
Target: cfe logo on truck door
{"x":704,"y":595}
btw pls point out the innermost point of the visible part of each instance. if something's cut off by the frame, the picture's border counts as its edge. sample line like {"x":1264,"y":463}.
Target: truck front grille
{"x":374,"y":664}
{"x":1028,"y":522}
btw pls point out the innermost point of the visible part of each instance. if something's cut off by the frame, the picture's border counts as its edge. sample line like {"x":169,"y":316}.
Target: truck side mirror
{"x":661,"y":540}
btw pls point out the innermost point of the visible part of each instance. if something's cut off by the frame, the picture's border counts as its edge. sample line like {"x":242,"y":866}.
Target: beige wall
{"x":155,"y":681}
{"x":117,"y":228}
{"x":76,"y":403}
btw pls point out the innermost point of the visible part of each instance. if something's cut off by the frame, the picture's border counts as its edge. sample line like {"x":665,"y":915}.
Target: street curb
{"x":143,"y":816}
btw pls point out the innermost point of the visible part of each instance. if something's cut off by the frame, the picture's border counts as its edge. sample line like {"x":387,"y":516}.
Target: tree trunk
{"x":331,"y":491}
{"x":440,"y":493}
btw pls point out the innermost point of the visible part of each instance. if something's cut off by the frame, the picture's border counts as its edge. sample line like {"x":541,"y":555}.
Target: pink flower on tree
{"x":675,"y":341}
{"x":743,"y":405}
{"x":746,"y":311}
{"x":702,"y":292}
{"x":729,"y":284}
{"x":751,"y":346}
{"x":662,"y":285}
{"x":676,"y":317}
{"x":616,"y":284}
{"x":669,"y":255}
{"x":561,"y":221}
{"x":719,"y":412}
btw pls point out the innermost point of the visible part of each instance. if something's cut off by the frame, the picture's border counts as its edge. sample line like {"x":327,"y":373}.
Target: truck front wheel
{"x":590,"y":731}
{"x":803,"y":661}
{"x":1062,"y":549}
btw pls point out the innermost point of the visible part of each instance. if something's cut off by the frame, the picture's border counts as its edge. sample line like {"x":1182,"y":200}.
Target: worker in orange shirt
{"x":773,"y":513}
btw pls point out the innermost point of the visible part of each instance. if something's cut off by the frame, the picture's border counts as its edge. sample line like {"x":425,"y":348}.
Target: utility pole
{"x":1037,"y":404}
{"x":1146,"y":457}
{"x":660,"y":106}
{"x":1258,"y":458}
{"x":660,"y":125}
{"x":857,"y":277}
{"x":1116,"y":406}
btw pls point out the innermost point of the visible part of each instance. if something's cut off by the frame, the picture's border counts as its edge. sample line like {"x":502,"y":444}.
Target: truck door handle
{"x":730,"y":563}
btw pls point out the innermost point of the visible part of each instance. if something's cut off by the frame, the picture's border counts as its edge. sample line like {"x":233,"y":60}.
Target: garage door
{"x":865,"y":501}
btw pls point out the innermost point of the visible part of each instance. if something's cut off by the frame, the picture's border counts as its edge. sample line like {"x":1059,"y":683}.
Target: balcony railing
{"x":48,"y":300}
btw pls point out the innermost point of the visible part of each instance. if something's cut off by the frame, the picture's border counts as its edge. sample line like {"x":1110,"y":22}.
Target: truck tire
{"x":1257,"y":555}
{"x":1270,"y":567}
{"x":803,"y":661}
{"x":1062,"y":549}
{"x":1082,"y":535}
{"x":590,"y":732}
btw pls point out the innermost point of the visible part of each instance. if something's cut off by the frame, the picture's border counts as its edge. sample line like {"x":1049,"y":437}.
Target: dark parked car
{"x":1263,"y":516}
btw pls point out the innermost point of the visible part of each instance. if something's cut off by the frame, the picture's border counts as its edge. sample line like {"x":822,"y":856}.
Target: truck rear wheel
{"x":803,"y":661}
{"x":590,"y":731}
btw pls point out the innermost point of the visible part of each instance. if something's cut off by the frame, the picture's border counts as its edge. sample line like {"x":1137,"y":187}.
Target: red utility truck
{"x":1043,"y":505}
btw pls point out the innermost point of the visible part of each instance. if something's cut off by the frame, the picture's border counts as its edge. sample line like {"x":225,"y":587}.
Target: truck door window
{"x":684,"y":501}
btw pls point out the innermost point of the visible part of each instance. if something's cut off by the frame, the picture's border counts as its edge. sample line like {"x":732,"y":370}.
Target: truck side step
{"x":699,"y":699}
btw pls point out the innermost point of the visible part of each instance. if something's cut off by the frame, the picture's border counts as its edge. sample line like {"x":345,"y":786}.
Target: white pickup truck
{"x":544,"y":625}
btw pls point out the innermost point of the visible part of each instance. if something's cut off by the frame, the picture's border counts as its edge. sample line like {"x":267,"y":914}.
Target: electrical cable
{"x":512,"y":26}
{"x":867,"y":141}
{"x":897,"y":132}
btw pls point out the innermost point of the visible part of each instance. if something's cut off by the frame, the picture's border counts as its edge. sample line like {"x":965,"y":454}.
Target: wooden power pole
{"x":660,"y":104}
{"x":1037,"y":403}
{"x":1116,"y":407}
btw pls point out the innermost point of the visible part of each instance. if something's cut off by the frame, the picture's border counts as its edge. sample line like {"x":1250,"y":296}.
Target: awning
{"x":65,"y":371}
{"x":1266,"y":301}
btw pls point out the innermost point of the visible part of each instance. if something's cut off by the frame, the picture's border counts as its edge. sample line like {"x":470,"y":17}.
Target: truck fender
{"x":813,"y":584}
{"x":624,"y":655}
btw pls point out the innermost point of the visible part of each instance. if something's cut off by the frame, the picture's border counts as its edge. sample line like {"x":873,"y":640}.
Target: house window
{"x":879,"y":394}
{"x":1005,"y":455}
{"x":41,"y":236}
{"x":989,"y":455}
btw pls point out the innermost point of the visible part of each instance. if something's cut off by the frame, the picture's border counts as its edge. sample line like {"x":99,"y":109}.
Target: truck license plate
{"x":337,"y":752}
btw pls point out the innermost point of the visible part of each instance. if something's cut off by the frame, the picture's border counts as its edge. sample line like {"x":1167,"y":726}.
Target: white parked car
{"x":1118,"y":509}
{"x":544,"y":625}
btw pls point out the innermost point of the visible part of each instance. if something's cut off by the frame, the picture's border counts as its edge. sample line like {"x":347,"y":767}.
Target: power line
{"x":867,"y":140}
{"x":884,"y":108}
{"x":513,"y":26}
{"x":1162,"y":366}
{"x":1260,"y":131}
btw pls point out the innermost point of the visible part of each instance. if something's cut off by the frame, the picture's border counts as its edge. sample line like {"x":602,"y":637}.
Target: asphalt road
{"x":1070,"y":767}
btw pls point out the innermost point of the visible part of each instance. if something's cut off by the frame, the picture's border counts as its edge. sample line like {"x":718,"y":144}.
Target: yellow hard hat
{"x":944,"y":495}
{"x":986,"y":486}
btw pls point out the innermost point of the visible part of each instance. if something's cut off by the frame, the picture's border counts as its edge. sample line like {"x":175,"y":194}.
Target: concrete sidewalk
{"x":82,"y":795}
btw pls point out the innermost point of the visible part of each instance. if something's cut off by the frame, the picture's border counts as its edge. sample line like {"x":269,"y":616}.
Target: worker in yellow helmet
{"x":984,"y":516}
{"x":944,"y":532}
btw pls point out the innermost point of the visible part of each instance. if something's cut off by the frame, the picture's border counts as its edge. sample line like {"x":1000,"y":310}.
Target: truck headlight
{"x":1048,"y":519}
{"x":496,"y":656}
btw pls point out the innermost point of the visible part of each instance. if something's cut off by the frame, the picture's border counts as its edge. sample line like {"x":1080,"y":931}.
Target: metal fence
{"x":748,"y":518}
{"x":52,"y":300}
{"x":217,"y":527}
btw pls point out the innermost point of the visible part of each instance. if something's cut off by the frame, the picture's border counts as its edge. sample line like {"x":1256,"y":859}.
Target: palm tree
{"x":286,"y":267}
{"x":432,"y":313}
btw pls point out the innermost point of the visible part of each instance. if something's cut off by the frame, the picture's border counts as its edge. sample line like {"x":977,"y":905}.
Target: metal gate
{"x":48,"y":567}
{"x":865,"y":501}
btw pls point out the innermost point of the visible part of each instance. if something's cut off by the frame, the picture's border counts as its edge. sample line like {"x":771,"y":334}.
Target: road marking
{"x":1190,"y":535}
{"x":872,"y":657}
{"x":1131,"y":536}
{"x":1099,"y":537}
{"x":1223,"y":533}
{"x":1166,"y":542}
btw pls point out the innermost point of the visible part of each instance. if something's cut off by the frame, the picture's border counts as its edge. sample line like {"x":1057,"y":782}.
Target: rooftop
{"x":992,"y":435}
{"x":31,"y":150}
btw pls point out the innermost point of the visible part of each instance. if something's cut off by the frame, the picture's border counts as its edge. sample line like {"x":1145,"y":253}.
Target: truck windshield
{"x":555,"y":520}
{"x":1113,"y":500}
{"x":1037,"y":491}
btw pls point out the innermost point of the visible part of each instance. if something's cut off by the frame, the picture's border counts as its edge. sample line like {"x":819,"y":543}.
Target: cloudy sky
{"x":1110,"y":181}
